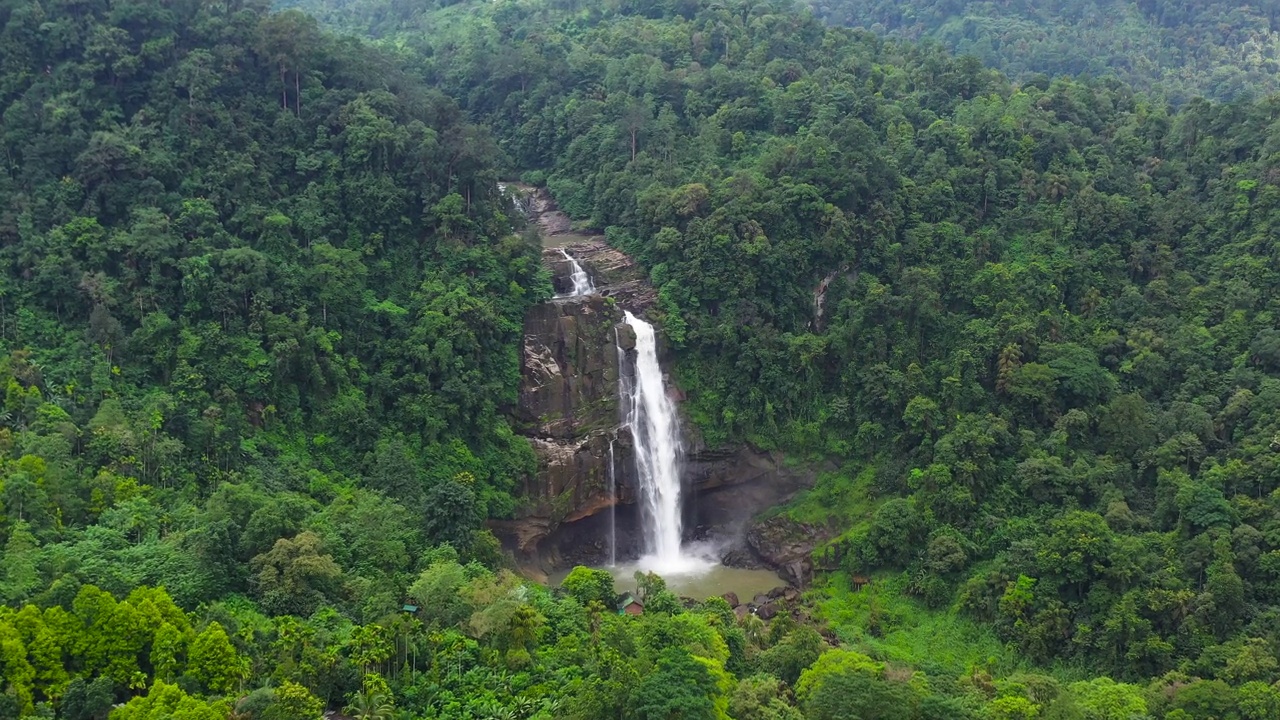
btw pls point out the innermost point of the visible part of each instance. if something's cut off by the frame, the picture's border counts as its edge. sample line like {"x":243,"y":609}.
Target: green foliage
{"x":88,"y":700}
{"x":168,"y":701}
{"x":438,"y":591}
{"x":245,"y":253}
{"x":589,"y":585}
{"x":1215,"y":49}
{"x":214,"y":662}
{"x":761,"y":697}
{"x":789,"y":658}
{"x":292,"y":701}
{"x":679,"y":687}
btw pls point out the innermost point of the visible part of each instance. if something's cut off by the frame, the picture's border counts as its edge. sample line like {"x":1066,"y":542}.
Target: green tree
{"x":18,"y":568}
{"x":589,"y":585}
{"x":761,"y":697}
{"x":679,"y":687}
{"x":213,"y":661}
{"x":169,"y":701}
{"x":1104,"y":699}
{"x":438,"y":591}
{"x":88,"y":700}
{"x":293,"y":702}
{"x":295,"y":577}
{"x":452,"y":513}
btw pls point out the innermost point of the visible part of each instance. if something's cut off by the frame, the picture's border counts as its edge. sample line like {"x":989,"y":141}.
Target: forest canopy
{"x":260,"y":316}
{"x":1180,"y":49}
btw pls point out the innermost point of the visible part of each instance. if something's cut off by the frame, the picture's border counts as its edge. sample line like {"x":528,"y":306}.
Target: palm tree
{"x":524,"y":706}
{"x":552,"y":706}
{"x":493,"y":710}
{"x":371,"y":705}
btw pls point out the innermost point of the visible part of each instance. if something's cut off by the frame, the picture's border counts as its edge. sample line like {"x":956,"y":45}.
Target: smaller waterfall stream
{"x":613,"y":508}
{"x":582,"y":284}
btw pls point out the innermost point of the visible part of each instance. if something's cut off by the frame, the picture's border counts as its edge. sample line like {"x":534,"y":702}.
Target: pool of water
{"x":692,"y":576}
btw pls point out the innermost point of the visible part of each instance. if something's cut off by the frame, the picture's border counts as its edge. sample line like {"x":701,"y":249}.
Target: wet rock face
{"x":540,"y":208}
{"x":569,"y":373}
{"x":569,"y":411}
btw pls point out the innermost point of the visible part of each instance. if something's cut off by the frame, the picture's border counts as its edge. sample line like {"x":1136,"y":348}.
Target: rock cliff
{"x":569,"y":374}
{"x":569,"y":410}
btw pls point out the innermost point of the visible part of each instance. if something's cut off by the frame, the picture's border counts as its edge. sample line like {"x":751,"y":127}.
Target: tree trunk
{"x":297,"y":94}
{"x":284,"y":89}
{"x":633,"y":144}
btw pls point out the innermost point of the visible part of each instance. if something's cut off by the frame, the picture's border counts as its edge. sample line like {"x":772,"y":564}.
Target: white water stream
{"x":651,"y":416}
{"x":613,"y":508}
{"x":582,"y":284}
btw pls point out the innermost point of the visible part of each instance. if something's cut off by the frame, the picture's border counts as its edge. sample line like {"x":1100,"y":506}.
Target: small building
{"x":411,"y":609}
{"x":630,"y":606}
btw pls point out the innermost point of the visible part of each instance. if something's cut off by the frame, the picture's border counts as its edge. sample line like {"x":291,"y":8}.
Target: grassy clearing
{"x":843,"y":497}
{"x":883,"y":622}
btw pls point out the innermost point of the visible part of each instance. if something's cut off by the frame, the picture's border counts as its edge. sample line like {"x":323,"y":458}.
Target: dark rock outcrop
{"x":616,"y":274}
{"x":569,"y":411}
{"x":786,"y":546}
{"x":730,"y":487}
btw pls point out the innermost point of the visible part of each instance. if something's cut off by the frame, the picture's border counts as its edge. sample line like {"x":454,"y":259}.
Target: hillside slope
{"x":1181,"y":49}
{"x":240,"y":252}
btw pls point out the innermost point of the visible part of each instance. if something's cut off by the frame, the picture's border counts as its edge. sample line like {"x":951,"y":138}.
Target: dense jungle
{"x":261,"y":306}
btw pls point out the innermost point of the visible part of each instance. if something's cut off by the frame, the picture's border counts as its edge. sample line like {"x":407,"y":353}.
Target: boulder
{"x":786,"y":545}
{"x":739,"y":557}
{"x":731,"y":598}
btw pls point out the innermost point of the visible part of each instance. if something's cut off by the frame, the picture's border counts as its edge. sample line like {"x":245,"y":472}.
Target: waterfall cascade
{"x":613,"y":508}
{"x":582,"y":284}
{"x":655,"y":427}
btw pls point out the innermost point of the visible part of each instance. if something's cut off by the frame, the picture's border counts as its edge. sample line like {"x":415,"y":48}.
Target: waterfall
{"x":613,"y":508}
{"x":651,"y":416}
{"x":518,"y":203}
{"x":578,"y":276}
